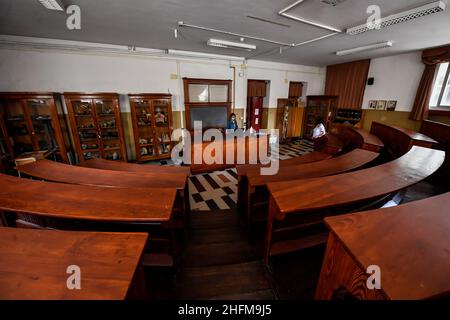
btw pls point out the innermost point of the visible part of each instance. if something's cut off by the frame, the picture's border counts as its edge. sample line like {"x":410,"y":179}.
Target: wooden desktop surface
{"x":314,"y":156}
{"x":317,"y":193}
{"x":410,"y":243}
{"x":63,"y":173}
{"x":97,"y":163}
{"x":93,"y":203}
{"x":346,"y":162}
{"x":33,"y":264}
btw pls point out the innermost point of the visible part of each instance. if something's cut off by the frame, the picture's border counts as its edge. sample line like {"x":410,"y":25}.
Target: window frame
{"x":439,"y":105}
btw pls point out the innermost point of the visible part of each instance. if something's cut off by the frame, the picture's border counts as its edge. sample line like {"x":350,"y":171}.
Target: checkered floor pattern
{"x":218,"y":190}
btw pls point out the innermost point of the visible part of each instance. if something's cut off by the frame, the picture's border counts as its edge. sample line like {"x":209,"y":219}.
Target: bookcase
{"x":96,"y":125}
{"x":152,"y":125}
{"x":318,"y":106}
{"x":30,"y":124}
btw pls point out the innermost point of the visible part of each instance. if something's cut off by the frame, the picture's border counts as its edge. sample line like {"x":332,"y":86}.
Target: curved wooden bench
{"x":418,"y":233}
{"x":309,"y":201}
{"x":257,"y":196}
{"x":74,"y":207}
{"x":97,"y":163}
{"x":399,"y":141}
{"x":244,"y":169}
{"x":33,"y":264}
{"x":91,"y":203}
{"x":63,"y":173}
{"x":356,"y":138}
{"x":441,"y":133}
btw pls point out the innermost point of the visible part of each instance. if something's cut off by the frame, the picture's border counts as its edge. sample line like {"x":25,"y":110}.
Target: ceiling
{"x":150,"y":23}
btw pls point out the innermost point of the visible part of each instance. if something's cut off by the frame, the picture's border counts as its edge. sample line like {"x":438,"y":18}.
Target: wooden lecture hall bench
{"x":34,"y":264}
{"x":38,"y":204}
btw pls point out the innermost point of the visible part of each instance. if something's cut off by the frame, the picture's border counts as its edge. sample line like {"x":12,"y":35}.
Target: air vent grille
{"x":423,"y":11}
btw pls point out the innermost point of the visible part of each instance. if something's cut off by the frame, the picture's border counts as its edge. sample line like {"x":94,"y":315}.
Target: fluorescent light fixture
{"x":193,"y":54}
{"x":230,"y":44}
{"x":365,"y":48}
{"x":431,"y":8}
{"x":52,"y":5}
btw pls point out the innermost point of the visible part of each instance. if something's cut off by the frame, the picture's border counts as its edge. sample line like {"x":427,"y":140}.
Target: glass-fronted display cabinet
{"x":323,"y":107}
{"x":152,"y":125}
{"x":31,"y":125}
{"x":96,"y":125}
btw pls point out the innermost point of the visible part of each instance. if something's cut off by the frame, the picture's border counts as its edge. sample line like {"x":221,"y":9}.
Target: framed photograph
{"x":372,"y":104}
{"x":391,"y":105}
{"x":381,"y":104}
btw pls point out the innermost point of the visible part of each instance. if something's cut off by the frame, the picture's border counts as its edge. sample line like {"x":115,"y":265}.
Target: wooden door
{"x":256,"y":111}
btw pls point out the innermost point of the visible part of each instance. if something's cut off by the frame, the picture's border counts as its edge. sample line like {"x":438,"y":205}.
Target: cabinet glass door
{"x":41,"y":119}
{"x":108,"y":129}
{"x":87,"y":128}
{"x":162,"y":125}
{"x":17,"y":126}
{"x":145,"y":127}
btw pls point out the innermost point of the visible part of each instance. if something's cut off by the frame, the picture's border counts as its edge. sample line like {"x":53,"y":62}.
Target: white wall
{"x":396,"y":78}
{"x":64,"y":71}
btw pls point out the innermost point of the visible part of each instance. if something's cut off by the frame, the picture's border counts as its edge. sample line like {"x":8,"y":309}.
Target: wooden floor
{"x":222,"y":260}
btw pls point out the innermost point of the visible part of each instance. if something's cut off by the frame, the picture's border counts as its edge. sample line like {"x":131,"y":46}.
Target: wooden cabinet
{"x":318,"y":106}
{"x":96,"y":125}
{"x":152,"y":125}
{"x":30,"y":124}
{"x":289,"y":118}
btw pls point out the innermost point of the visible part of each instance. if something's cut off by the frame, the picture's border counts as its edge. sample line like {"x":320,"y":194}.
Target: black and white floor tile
{"x":218,"y":189}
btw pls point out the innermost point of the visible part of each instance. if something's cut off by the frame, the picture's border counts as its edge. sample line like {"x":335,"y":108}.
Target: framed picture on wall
{"x":381,"y":104}
{"x":372,"y":104}
{"x":391,"y":105}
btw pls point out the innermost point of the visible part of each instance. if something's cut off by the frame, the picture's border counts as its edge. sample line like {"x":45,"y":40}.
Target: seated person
{"x":319,"y":135}
{"x":232,"y":123}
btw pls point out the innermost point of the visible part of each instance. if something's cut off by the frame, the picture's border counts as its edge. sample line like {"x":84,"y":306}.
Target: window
{"x":440,"y":97}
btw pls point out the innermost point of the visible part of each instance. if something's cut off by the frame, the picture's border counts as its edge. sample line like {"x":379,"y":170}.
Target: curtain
{"x":431,"y":58}
{"x":348,"y":81}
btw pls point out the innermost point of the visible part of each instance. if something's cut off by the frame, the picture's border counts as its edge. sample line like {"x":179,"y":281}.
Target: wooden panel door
{"x":256,"y":111}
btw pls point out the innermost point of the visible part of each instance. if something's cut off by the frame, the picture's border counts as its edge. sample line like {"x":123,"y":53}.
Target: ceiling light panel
{"x":422,"y":11}
{"x":52,"y":5}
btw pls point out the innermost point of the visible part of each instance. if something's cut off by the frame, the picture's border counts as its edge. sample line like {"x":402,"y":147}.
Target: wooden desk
{"x":239,"y":142}
{"x":89,"y":203}
{"x":313,"y":199}
{"x":257,"y":196}
{"x":254,"y":169}
{"x":97,"y":163}
{"x":314,"y":156}
{"x":33,"y":264}
{"x":77,"y":207}
{"x":356,"y":138}
{"x":399,"y":141}
{"x":63,"y":173}
{"x":413,"y":255}
{"x":441,"y":133}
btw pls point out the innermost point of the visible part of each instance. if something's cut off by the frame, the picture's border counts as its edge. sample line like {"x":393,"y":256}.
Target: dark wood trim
{"x":188,"y":105}
{"x":439,"y":112}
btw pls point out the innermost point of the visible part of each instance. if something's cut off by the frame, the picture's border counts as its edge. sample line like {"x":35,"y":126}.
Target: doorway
{"x":256,"y":92}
